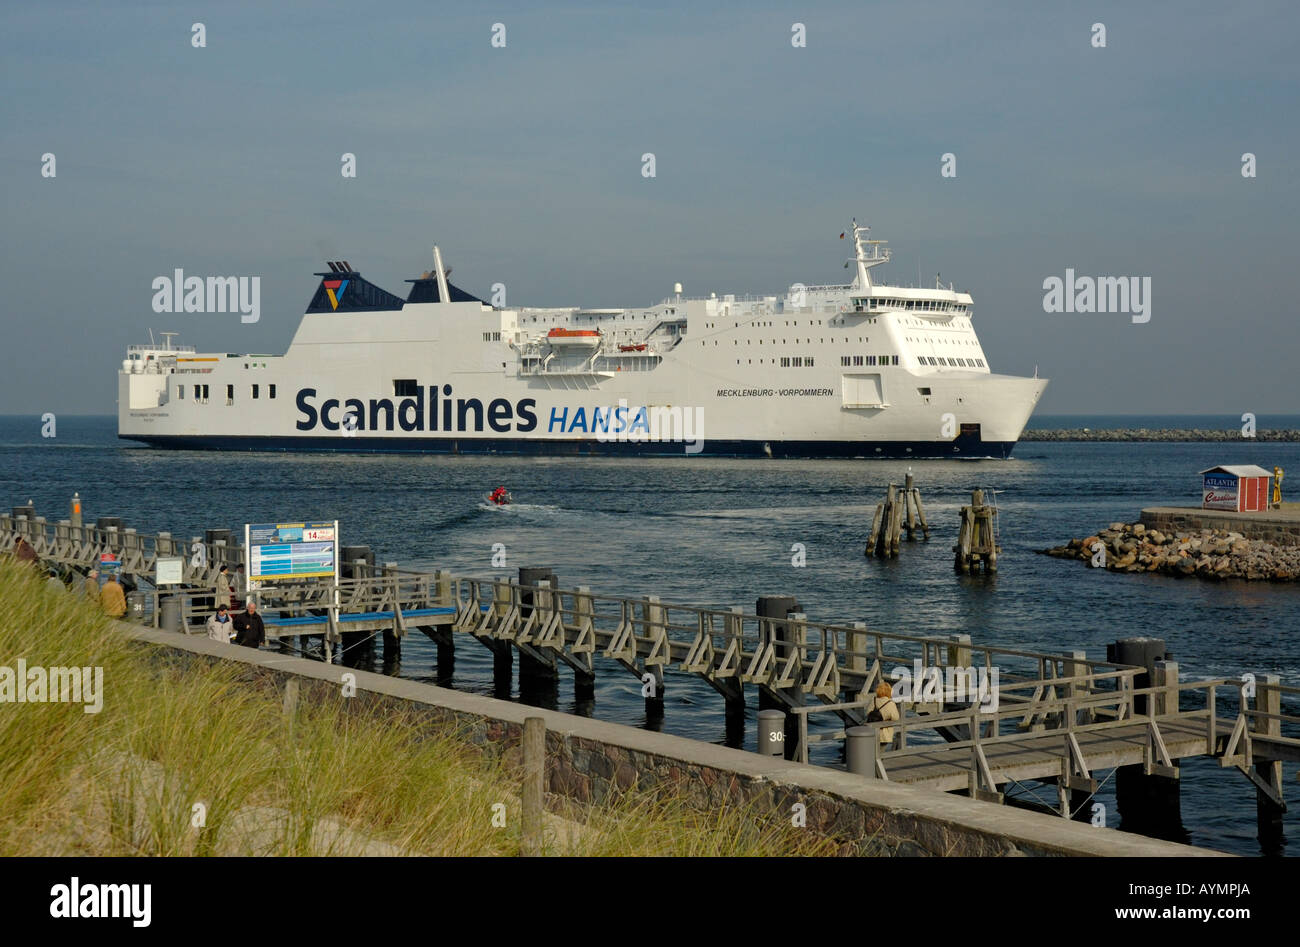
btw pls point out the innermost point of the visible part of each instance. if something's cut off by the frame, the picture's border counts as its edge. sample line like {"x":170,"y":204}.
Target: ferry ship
{"x":854,"y":370}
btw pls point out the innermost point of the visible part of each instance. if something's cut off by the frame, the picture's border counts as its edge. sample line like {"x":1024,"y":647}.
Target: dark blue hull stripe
{"x":962,"y":448}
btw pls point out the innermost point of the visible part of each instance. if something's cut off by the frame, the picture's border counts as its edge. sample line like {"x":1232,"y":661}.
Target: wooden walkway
{"x":1059,"y":718}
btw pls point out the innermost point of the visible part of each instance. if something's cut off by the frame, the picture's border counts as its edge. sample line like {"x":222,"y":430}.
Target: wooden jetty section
{"x":1058,"y":719}
{"x":977,"y":540}
{"x":899,"y":511}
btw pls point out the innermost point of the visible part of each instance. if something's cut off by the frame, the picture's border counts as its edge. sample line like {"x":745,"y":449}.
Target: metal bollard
{"x":771,"y":733}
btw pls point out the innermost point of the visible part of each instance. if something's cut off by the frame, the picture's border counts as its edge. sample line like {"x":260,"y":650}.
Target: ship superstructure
{"x":855,"y":370}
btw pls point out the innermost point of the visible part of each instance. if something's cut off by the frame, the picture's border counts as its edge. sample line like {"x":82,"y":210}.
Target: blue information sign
{"x":291,"y":550}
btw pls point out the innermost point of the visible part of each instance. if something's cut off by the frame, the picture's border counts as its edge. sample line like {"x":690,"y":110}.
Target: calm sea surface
{"x":720,"y":532}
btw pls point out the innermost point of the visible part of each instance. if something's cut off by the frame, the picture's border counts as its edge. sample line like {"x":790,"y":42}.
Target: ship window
{"x":405,"y":388}
{"x":844,"y":360}
{"x":797,"y":362}
{"x":230,"y":394}
{"x":270,"y":391}
{"x":924,"y":391}
{"x":895,"y":359}
{"x":785,"y":362}
{"x":255,"y":391}
{"x":180,"y":392}
{"x":808,"y":361}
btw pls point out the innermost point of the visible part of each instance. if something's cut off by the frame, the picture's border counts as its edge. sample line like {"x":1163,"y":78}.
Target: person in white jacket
{"x":220,"y":627}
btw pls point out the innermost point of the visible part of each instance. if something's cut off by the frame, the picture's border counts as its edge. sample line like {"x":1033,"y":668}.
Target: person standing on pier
{"x":220,"y":627}
{"x":883,"y":707}
{"x":251,"y":631}
{"x":112,"y":599}
{"x":223,"y":586}
{"x":92,"y":585}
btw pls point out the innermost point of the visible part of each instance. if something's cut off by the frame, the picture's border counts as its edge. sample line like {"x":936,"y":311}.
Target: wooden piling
{"x":900,"y":509}
{"x":908,"y":488}
{"x":976,"y":539}
{"x":1269,"y":806}
{"x":532,"y":792}
{"x":875,"y":531}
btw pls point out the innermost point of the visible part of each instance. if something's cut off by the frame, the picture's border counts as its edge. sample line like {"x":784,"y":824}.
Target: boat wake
{"x":521,"y":508}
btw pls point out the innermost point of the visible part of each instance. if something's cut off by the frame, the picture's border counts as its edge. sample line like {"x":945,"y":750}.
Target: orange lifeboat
{"x":579,"y":338}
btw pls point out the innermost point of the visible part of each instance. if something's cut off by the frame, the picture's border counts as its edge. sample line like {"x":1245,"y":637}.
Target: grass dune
{"x":194,"y":760}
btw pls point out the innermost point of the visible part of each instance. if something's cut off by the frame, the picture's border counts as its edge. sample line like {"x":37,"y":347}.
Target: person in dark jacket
{"x":249,"y":629}
{"x":24,"y":552}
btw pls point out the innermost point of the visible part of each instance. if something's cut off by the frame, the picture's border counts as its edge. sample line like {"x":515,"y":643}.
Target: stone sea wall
{"x":589,"y":760}
{"x":1204,"y":553}
{"x":1146,"y":434}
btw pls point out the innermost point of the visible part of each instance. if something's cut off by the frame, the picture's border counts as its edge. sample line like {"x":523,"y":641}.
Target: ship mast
{"x":869,"y":253}
{"x":443,"y":295}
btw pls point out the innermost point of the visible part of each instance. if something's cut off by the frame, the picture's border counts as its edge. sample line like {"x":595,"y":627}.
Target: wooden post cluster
{"x":900,"y":509}
{"x":977,"y":538}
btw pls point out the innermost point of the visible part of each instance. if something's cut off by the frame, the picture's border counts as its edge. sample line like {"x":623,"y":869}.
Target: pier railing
{"x":980,"y":715}
{"x":791,"y":657}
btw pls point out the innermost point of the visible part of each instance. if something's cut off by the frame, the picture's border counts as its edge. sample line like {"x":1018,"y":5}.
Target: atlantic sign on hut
{"x":1243,"y":488}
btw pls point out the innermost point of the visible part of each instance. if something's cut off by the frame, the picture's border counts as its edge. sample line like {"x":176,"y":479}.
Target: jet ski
{"x":500,"y":498}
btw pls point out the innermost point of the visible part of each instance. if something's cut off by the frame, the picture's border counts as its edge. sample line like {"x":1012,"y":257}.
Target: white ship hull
{"x":845,"y":371}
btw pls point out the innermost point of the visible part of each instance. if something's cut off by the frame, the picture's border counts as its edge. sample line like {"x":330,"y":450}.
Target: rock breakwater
{"x":1149,"y":434}
{"x":1213,"y":554}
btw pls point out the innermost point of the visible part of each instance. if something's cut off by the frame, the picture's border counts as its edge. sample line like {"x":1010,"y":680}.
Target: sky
{"x":523,"y":162}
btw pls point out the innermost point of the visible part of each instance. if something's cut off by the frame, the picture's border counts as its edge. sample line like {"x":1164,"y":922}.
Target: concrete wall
{"x":1279,"y":527}
{"x":588,"y":759}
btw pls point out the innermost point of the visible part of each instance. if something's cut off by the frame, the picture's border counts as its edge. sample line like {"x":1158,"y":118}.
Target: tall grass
{"x":194,"y":759}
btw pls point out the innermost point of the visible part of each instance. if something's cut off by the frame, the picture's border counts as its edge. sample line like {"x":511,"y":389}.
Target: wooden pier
{"x":1059,"y":717}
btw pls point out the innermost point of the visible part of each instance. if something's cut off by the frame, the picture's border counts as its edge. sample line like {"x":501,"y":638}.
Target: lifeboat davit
{"x":574,"y":338}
